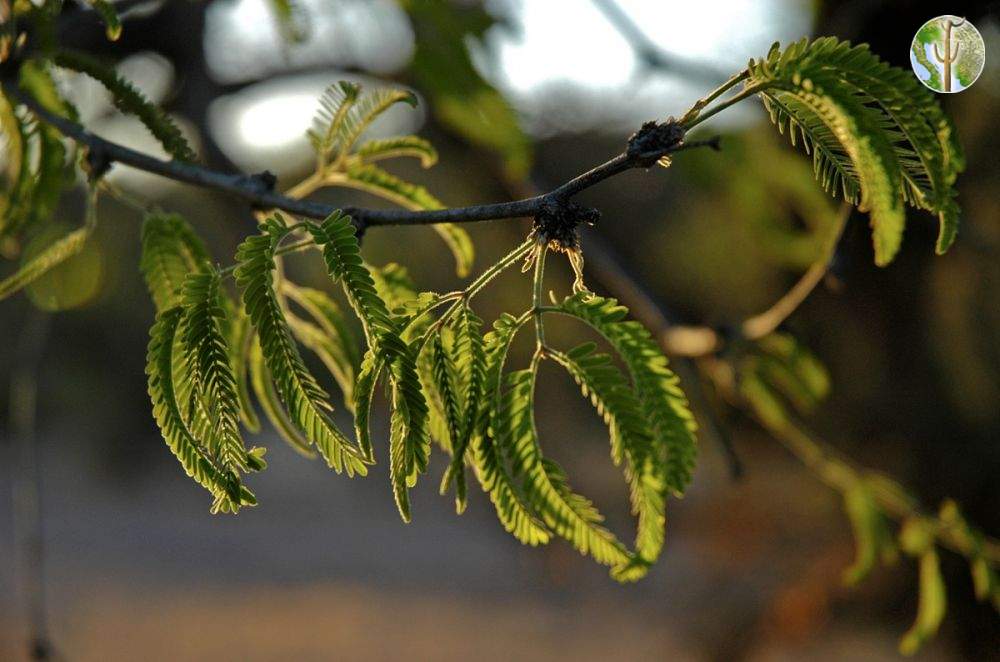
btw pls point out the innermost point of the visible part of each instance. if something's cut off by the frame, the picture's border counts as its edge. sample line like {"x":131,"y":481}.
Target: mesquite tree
{"x":226,"y":344}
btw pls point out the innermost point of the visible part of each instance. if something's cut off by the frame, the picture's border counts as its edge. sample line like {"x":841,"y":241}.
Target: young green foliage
{"x":328,"y":336}
{"x":544,"y":484}
{"x":466,"y":369}
{"x":345,"y":113}
{"x":52,"y":255}
{"x":488,"y":457}
{"x":131,"y":101}
{"x":34,"y":173}
{"x":162,"y":363}
{"x":207,"y":356}
{"x":931,"y":606}
{"x":610,"y":393}
{"x":306,"y":402}
{"x":663,"y":403}
{"x":877,"y":136}
{"x":170,"y":251}
{"x":106,"y":10}
{"x":342,"y":254}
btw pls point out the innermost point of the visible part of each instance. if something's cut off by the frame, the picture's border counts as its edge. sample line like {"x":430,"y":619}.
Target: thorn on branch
{"x":556,"y":224}
{"x":653,"y":141}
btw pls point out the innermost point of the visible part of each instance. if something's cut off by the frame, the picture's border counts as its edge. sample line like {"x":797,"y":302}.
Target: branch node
{"x":556,"y":223}
{"x":263,"y":182}
{"x":652,"y":141}
{"x":360,"y":227}
{"x":97,"y":162}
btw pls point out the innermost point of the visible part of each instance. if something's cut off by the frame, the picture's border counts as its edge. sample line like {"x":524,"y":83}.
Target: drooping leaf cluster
{"x":346,"y":113}
{"x":36,"y":164}
{"x":219,"y":349}
{"x":778,"y":378}
{"x":877,"y":136}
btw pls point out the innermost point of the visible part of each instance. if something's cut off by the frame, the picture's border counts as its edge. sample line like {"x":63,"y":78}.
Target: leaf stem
{"x":536,"y":294}
{"x":712,"y":96}
{"x":731,"y":101}
{"x":760,"y":325}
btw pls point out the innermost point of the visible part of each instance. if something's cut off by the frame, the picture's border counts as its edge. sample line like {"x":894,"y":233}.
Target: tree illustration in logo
{"x":947,"y":54}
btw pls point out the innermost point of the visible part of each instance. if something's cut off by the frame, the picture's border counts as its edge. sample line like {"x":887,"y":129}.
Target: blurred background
{"x":514,"y":91}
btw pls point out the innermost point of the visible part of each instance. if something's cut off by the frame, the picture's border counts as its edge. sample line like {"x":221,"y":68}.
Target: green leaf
{"x":394,"y":285}
{"x":569,"y":515}
{"x":34,"y":172}
{"x":112,"y":24}
{"x":38,"y":265}
{"x":663,"y":403}
{"x":270,"y":402}
{"x":764,"y":402}
{"x":13,"y":165}
{"x":131,"y":101}
{"x":342,"y":254}
{"x":876,"y":135}
{"x":161,"y":363}
{"x":468,"y":374}
{"x":782,"y":365}
{"x":364,"y":393}
{"x":207,"y":355}
{"x":305,"y":401}
{"x":985,"y":581}
{"x":372,"y":179}
{"x":330,"y":337}
{"x":446,"y":385}
{"x":371,"y":104}
{"x":241,"y":340}
{"x":931,"y":606}
{"x":486,"y":454}
{"x":400,"y":457}
{"x":398,"y":146}
{"x":170,"y":251}
{"x":337,"y":99}
{"x":611,"y":394}
{"x":869,"y":531}
{"x":50,"y":172}
{"x":345,"y":112}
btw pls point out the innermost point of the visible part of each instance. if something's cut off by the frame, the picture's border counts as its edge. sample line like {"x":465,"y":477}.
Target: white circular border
{"x":981,"y":67}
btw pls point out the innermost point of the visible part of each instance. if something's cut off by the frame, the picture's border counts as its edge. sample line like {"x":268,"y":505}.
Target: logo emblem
{"x":947,"y":54}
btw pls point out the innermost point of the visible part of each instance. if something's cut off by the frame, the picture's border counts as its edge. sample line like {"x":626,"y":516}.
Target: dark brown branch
{"x":258,"y":189}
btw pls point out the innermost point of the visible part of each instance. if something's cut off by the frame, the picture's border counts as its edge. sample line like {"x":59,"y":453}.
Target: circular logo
{"x":947,"y":54}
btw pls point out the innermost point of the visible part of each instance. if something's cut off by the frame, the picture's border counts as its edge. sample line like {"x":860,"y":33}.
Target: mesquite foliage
{"x":227,"y":342}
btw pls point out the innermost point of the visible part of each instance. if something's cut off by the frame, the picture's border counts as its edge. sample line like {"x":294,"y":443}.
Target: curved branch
{"x":758,"y":326}
{"x":258,"y":189}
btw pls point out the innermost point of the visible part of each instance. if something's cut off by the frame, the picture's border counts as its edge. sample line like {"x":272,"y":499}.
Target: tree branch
{"x":648,"y":52}
{"x":760,"y":325}
{"x":647,"y":146}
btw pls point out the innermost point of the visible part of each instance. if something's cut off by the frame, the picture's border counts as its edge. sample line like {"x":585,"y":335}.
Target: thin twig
{"x":758,"y":326}
{"x":842,"y":474}
{"x":258,"y":191}
{"x":649,"y":53}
